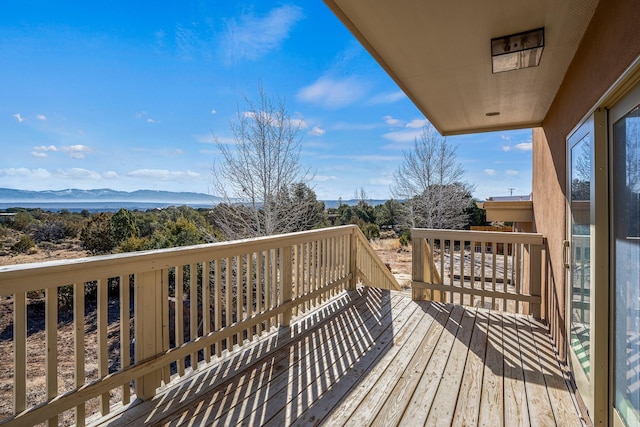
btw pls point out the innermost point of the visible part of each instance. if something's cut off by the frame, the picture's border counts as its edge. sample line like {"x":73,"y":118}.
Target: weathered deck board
{"x":373,"y":357}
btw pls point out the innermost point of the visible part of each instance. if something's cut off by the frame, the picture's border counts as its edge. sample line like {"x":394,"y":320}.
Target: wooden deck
{"x":376,"y":357}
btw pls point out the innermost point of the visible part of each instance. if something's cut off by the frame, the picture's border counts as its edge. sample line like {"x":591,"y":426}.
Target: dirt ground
{"x":389,"y":250}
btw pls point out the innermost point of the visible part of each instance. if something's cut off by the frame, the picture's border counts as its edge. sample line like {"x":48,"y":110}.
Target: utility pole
{"x":511,"y":190}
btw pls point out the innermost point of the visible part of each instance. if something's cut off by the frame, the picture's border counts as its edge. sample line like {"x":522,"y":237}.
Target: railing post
{"x":148,"y":320}
{"x":417,"y":266}
{"x":353,"y":253}
{"x":287,"y":283}
{"x":535,"y":277}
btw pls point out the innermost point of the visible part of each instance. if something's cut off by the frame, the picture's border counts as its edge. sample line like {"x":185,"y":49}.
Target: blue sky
{"x":129,"y":95}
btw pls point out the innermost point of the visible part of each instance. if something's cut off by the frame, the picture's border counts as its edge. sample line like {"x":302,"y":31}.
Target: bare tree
{"x":430,"y":181}
{"x":259,"y":176}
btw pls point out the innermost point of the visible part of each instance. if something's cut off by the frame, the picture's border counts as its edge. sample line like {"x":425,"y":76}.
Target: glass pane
{"x":581,"y":251}
{"x":626,"y":222}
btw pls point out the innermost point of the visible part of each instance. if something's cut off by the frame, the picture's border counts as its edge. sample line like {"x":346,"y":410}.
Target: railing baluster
{"x":307,"y":271}
{"x":267,"y":286}
{"x":239,"y":296}
{"x":483,"y":272}
{"x":505,"y":273}
{"x":285,"y":282}
{"x":250,"y":288}
{"x":217,"y":298}
{"x":206,"y":306}
{"x":51,"y":333}
{"x":472,"y":273}
{"x":193,"y":310}
{"x":229,"y":299}
{"x":79,"y":351}
{"x":125,"y":333}
{"x":179,"y":315}
{"x":20,"y":352}
{"x":259,"y":289}
{"x":103,"y":346}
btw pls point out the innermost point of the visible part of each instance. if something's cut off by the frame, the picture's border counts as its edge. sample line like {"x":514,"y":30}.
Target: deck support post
{"x":148,"y":321}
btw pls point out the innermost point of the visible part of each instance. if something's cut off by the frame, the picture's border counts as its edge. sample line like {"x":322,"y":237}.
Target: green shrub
{"x":23,"y":245}
{"x":133,"y":244}
{"x":405,"y":238}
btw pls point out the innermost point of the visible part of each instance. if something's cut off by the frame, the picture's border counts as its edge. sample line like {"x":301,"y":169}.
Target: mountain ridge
{"x":103,"y":195}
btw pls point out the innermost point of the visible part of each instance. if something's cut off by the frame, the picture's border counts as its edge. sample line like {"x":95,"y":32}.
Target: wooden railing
{"x":146,"y":318}
{"x":495,"y":270}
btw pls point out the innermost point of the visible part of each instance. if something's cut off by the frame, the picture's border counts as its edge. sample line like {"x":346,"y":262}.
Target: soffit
{"x":439,"y":53}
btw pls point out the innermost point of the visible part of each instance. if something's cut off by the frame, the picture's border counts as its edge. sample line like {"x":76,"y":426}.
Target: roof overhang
{"x":439,"y":53}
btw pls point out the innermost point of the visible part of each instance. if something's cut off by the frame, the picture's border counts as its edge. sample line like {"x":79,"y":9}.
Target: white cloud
{"x":387,"y":98}
{"x":403,"y":135}
{"x":18,"y":117}
{"x":162,"y":174}
{"x":46,"y":148}
{"x":25,"y":173}
{"x":39,"y":154}
{"x":505,"y":137}
{"x":316,"y":131}
{"x":79,"y":173}
{"x":490,"y":171}
{"x":417,"y":123}
{"x":214,"y":112}
{"x":324,"y":178}
{"x":391,"y":121}
{"x":76,"y":151}
{"x":110,"y":175}
{"x":381,"y":180}
{"x":141,"y":114}
{"x":362,"y":158}
{"x":298,"y":123}
{"x":511,"y":172}
{"x":150,"y":120}
{"x":524,"y":146}
{"x":330,"y":92}
{"x":41,"y":117}
{"x":252,"y":37}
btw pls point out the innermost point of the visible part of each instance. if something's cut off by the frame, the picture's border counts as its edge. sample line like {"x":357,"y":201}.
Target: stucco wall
{"x":611,"y":43}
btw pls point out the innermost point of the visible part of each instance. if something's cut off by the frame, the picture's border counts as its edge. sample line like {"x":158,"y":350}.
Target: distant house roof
{"x":526,"y":198}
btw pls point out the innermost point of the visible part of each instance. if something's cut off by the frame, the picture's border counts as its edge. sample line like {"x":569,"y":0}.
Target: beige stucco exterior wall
{"x":610,"y":44}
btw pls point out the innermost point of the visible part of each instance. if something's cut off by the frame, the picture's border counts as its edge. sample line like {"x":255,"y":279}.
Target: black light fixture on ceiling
{"x":517,"y":51}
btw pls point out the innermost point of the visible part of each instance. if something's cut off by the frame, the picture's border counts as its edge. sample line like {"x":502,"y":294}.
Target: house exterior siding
{"x":607,"y":49}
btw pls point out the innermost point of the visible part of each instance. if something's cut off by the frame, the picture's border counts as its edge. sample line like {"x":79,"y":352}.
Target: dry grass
{"x":385,"y":244}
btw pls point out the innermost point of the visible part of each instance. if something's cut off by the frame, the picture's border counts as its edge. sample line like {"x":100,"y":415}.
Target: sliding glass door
{"x":625,"y":132}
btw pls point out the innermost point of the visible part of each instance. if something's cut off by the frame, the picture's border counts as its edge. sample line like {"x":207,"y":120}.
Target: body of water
{"x":97,"y":206}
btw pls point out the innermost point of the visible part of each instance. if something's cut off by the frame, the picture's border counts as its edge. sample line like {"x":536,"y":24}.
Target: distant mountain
{"x":8,"y":195}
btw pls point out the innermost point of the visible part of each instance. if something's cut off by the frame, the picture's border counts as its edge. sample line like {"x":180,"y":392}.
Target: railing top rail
{"x":24,"y":277}
{"x":478,"y":236}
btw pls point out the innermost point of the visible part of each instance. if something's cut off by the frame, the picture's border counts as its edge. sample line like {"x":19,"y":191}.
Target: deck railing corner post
{"x":146,"y":315}
{"x":417,"y":265}
{"x":353,"y":255}
{"x":535,"y":278}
